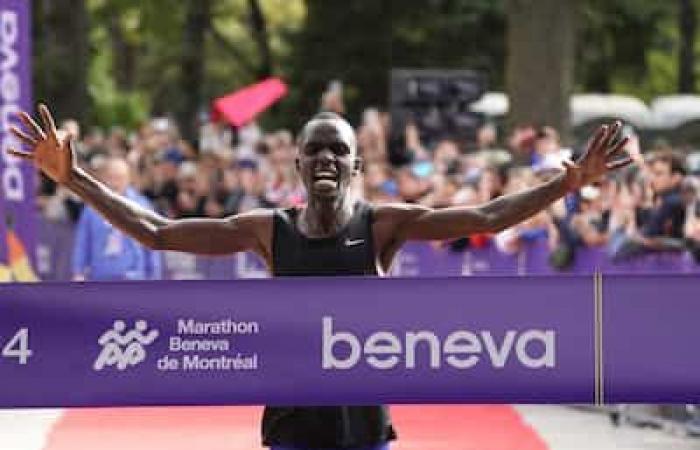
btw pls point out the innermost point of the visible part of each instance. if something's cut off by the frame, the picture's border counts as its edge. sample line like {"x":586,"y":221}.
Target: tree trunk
{"x":123,"y":53}
{"x":61,"y":29}
{"x":197,"y":24}
{"x":259,"y":29}
{"x":687,"y":23}
{"x":540,"y":66}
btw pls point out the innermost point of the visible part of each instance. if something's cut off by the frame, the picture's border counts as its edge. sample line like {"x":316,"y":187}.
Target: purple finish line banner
{"x":17,"y":204}
{"x":651,"y":334}
{"x":299,"y":341}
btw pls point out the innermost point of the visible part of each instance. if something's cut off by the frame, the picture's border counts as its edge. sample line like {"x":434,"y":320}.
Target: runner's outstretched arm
{"x":56,"y":158}
{"x":422,"y":223}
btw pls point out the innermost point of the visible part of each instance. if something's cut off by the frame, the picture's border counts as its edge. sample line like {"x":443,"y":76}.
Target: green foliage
{"x":628,"y":47}
{"x":450,"y":34}
{"x":347,"y":41}
{"x":112,"y":106}
{"x":135,"y":50}
{"x":228,"y":70}
{"x":358,"y":43}
{"x":153,"y":30}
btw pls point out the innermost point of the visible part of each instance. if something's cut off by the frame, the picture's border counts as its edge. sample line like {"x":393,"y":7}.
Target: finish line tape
{"x":324,"y":341}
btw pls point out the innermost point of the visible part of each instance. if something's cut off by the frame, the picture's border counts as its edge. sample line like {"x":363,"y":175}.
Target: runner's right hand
{"x":50,"y":153}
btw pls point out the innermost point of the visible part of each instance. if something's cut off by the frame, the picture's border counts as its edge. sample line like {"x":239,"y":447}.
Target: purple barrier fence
{"x":587,"y":260}
{"x":536,"y":258}
{"x":491,"y":261}
{"x":426,"y":259}
{"x":650,"y":332}
{"x":54,"y":250}
{"x":415,"y":259}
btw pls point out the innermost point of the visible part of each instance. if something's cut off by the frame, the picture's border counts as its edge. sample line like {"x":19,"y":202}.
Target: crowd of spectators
{"x":650,"y":206}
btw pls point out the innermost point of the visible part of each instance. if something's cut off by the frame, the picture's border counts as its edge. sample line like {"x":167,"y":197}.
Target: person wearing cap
{"x":163,"y":189}
{"x":248,"y":194}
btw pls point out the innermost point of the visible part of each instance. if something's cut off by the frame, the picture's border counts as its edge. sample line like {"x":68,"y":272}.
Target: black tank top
{"x":350,"y":252}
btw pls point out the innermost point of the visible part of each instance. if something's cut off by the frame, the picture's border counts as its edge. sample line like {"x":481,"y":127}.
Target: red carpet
{"x":468,"y":427}
{"x":236,"y":428}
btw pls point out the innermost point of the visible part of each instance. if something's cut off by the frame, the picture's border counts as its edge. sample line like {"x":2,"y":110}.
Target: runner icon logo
{"x":122,"y":348}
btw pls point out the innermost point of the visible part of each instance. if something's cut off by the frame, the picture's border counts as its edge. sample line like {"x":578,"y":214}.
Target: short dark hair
{"x":500,"y":170}
{"x":323,"y":115}
{"x":674,"y":160}
{"x":327,"y":115}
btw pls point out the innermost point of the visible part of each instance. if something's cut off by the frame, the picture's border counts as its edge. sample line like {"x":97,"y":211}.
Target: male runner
{"x":331,"y":235}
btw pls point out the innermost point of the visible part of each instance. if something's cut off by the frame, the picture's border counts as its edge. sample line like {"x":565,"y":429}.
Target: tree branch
{"x":260,"y":35}
{"x":224,"y":44}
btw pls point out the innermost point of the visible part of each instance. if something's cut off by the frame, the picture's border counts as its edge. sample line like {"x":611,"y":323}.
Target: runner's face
{"x":326,"y":159}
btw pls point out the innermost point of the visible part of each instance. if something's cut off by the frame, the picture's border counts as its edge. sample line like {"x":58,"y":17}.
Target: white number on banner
{"x":18,"y":346}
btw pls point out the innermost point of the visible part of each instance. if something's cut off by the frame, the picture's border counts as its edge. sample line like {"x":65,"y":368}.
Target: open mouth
{"x":325,"y":179}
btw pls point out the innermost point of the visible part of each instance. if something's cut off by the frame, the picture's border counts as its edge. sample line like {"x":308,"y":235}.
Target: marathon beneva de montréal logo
{"x":124,"y":348}
{"x":192,"y":345}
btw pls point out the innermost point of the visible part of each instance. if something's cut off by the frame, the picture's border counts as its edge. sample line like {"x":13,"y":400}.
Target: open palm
{"x":52,"y":155}
{"x":601,"y":156}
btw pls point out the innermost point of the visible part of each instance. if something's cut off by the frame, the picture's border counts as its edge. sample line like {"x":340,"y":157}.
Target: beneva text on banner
{"x":10,"y":92}
{"x":461,"y":349}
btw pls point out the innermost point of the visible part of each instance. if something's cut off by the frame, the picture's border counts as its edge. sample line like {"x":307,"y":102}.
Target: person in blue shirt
{"x":101,"y":251}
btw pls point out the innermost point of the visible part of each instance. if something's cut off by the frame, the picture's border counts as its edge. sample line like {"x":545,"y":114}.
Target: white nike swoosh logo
{"x":351,"y":242}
